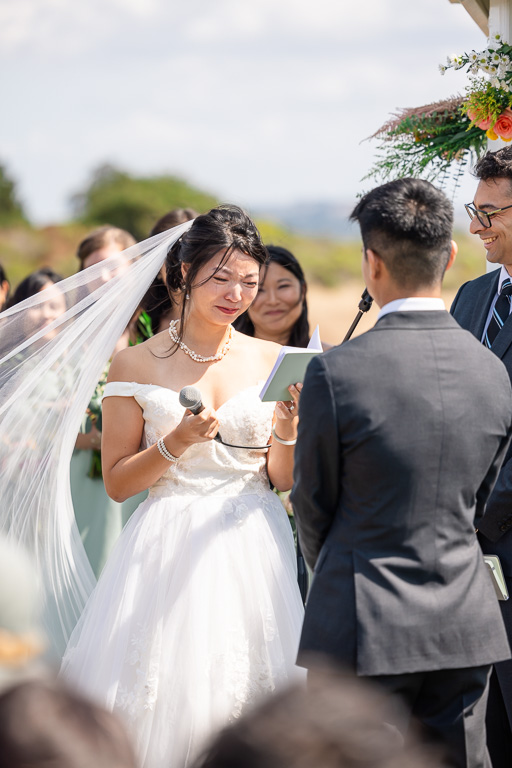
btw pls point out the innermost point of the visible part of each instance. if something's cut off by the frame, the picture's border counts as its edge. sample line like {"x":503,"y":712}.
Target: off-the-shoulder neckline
{"x":175,"y":392}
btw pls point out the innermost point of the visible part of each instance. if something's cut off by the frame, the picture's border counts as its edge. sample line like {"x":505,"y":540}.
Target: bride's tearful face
{"x":224,"y":290}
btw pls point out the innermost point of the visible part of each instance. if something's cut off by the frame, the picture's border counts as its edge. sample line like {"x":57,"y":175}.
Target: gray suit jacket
{"x":399,"y":446}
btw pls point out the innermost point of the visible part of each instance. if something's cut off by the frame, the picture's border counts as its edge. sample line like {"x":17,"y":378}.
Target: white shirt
{"x":412,"y":304}
{"x":504,"y":275}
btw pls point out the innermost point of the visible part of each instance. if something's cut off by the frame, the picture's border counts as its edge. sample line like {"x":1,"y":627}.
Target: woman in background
{"x":161,"y":305}
{"x":100,"y":520}
{"x":4,"y":288}
{"x":42,"y":280}
{"x":280,"y":313}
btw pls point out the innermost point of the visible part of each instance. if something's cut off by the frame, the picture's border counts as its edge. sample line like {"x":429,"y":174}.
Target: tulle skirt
{"x":196,"y":617}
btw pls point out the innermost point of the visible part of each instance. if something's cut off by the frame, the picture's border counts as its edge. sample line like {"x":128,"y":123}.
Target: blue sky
{"x":261,"y":102}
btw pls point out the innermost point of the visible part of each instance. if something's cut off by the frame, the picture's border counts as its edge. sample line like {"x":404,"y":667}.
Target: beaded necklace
{"x":195,"y":355}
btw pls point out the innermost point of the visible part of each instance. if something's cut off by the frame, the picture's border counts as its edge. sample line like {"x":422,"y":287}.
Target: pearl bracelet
{"x":165,"y":453}
{"x":280,"y":440}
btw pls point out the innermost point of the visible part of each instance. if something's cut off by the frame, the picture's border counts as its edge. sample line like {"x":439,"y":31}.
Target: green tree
{"x":135,"y":203}
{"x":11,"y":211}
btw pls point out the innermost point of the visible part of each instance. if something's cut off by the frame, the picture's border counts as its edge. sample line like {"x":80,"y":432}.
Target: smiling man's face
{"x":497,"y":239}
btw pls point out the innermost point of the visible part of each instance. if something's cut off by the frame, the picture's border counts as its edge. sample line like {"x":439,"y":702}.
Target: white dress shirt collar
{"x":412,"y":304}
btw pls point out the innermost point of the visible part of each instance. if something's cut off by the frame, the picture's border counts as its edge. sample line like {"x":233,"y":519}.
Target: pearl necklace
{"x":195,"y":355}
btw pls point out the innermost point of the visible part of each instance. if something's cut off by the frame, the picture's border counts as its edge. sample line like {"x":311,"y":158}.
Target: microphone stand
{"x":364,"y":306}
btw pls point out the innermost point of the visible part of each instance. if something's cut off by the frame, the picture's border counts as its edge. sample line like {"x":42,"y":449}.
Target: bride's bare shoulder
{"x":137,"y":363}
{"x":266,"y":351}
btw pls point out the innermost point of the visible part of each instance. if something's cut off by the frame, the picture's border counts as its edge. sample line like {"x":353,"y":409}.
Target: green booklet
{"x":290,"y":368}
{"x":500,"y":586}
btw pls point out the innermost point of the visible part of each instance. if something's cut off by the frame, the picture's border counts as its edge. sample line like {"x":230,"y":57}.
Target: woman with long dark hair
{"x":280,"y":310}
{"x":197,"y":613}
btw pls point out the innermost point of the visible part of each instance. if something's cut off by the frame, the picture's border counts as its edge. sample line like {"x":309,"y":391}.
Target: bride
{"x":197,"y":613}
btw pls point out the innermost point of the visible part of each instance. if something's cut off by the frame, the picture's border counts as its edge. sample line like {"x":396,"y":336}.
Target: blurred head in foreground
{"x":42,"y":724}
{"x":337,"y":721}
{"x":21,"y":641}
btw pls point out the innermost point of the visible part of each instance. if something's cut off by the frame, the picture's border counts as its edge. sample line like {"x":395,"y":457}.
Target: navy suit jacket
{"x":470,"y":308}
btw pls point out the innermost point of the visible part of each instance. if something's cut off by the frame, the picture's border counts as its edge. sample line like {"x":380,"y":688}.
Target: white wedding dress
{"x":197,"y":614}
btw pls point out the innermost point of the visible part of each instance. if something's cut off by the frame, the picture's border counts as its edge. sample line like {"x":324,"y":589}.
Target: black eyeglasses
{"x":483,"y":217}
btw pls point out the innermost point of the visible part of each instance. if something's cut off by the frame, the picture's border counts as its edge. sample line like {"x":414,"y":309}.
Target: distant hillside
{"x":326,"y":219}
{"x":317,"y":219}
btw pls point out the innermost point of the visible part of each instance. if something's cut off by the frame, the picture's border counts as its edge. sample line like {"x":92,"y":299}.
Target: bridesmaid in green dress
{"x":100,"y":520}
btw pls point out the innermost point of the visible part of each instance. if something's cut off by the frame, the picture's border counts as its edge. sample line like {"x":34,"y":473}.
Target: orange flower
{"x":476,"y":118}
{"x":503,"y":125}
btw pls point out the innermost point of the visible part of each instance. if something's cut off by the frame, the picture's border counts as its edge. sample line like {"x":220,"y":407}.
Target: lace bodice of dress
{"x":206,"y":467}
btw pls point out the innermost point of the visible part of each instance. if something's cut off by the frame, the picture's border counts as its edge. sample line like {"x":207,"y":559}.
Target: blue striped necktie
{"x":500,"y":313}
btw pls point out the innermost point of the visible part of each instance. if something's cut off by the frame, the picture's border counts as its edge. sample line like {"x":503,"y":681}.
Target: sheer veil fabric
{"x":53,"y":348}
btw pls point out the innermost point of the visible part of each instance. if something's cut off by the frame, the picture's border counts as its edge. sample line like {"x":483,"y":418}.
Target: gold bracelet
{"x":280,"y":440}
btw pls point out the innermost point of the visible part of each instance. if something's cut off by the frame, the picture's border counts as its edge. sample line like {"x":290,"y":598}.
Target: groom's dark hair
{"x":408,"y":223}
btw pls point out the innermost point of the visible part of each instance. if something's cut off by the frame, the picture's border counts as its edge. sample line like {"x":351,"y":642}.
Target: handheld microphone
{"x":190,"y":397}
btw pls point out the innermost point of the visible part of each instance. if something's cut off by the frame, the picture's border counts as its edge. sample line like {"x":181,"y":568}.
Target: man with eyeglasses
{"x":483,"y":307}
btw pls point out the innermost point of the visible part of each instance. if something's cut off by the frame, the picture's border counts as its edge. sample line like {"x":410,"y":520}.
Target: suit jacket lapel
{"x":481,"y":308}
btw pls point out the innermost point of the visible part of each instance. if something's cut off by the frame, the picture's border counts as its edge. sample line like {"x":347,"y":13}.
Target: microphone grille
{"x":190,"y":397}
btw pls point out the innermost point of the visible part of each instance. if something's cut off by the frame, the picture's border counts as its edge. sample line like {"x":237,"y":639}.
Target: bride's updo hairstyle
{"x":225,"y":229}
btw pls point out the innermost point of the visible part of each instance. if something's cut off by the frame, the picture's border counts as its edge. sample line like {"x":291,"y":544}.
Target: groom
{"x":399,"y":447}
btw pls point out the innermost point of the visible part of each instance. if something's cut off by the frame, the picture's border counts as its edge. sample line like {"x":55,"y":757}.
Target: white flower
{"x":473,"y":56}
{"x":495,"y":82}
{"x":442,"y":69}
{"x":495,"y":58}
{"x":495,"y":38}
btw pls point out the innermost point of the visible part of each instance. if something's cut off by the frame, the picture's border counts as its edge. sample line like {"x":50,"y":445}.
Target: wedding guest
{"x":4,"y":288}
{"x":43,"y":724}
{"x":100,"y":519}
{"x":280,"y":313}
{"x":280,"y":310}
{"x":337,"y":721}
{"x":21,"y":640}
{"x":43,"y":314}
{"x":162,"y":305}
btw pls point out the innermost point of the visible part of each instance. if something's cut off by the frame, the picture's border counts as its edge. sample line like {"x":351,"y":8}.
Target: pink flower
{"x":503,"y":125}
{"x":474,"y":116}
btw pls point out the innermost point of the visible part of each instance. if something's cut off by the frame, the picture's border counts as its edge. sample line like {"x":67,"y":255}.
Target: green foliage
{"x":11,"y":211}
{"x":135,"y":204}
{"x":426,"y":145}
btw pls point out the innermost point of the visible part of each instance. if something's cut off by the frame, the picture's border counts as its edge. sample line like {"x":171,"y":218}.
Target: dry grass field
{"x":334,"y":309}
